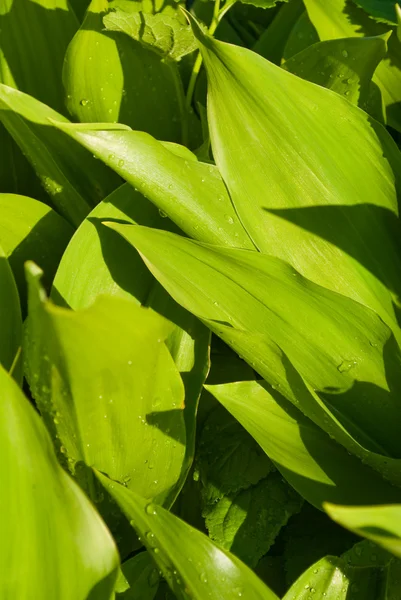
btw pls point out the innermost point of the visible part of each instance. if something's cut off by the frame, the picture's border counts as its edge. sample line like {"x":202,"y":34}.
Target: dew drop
{"x":153,"y":578}
{"x":130,"y":362}
{"x":162,"y":213}
{"x":203,"y":577}
{"x":121,"y":162}
{"x":150,"y":509}
{"x":346,"y":365}
{"x":84,"y":102}
{"x":344,"y":53}
{"x":229,"y":219}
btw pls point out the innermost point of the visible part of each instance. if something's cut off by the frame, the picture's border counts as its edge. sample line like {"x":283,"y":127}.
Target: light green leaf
{"x":339,"y":19}
{"x":313,"y":463}
{"x":97,"y":261}
{"x":190,"y":192}
{"x":165,"y":34}
{"x":102,"y":378}
{"x":31,"y":230}
{"x":72,"y":178}
{"x":333,"y":578}
{"x":110,"y":78}
{"x":247,"y":522}
{"x":192,"y":564}
{"x":344,"y":66}
{"x":34,"y":38}
{"x":10,"y":319}
{"x":382,"y":10}
{"x":142,"y":577}
{"x":381,"y":524}
{"x":257,"y":135}
{"x":331,"y":356}
{"x":263,"y":3}
{"x":44,"y":512}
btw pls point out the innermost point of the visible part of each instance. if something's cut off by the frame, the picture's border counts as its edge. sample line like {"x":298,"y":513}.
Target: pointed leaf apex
{"x":201,"y":36}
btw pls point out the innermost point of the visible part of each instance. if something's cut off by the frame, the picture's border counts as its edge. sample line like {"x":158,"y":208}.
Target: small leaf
{"x":381,"y":524}
{"x":192,"y":564}
{"x":162,"y":33}
{"x":142,"y":576}
{"x":53,"y":520}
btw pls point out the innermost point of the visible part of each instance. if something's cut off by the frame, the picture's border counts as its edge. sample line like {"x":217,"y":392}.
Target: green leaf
{"x":381,"y":524}
{"x":344,"y":66}
{"x":247,"y":522}
{"x":335,"y":578}
{"x":339,"y":19}
{"x":302,"y":35}
{"x":10,"y":319}
{"x":258,"y":134}
{"x":110,"y":78}
{"x":72,"y":178}
{"x":313,"y":463}
{"x":192,"y":564}
{"x":31,"y":230}
{"x":142,"y":577}
{"x":263,"y":3}
{"x":165,"y":34}
{"x":97,"y":261}
{"x":254,"y":302}
{"x":103,"y":377}
{"x":44,"y":512}
{"x":190,"y":192}
{"x":382,"y":10}
{"x":34,"y":38}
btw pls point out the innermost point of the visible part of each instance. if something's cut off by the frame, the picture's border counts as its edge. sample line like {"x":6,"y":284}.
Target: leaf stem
{"x":218,"y":14}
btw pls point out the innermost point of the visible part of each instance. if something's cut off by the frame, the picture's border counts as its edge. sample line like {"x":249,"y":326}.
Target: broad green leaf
{"x":191,"y":193}
{"x":192,"y":564}
{"x":341,"y":18}
{"x":281,"y":323}
{"x":10,"y":319}
{"x":302,"y":35}
{"x":54,"y":544}
{"x":31,"y":230}
{"x":72,"y":178}
{"x":34,"y":38}
{"x":273,"y":40}
{"x":247,"y":522}
{"x":257,"y":135}
{"x":344,"y":66}
{"x":163,"y":33}
{"x":313,"y":463}
{"x":382,"y":10}
{"x":142,"y":576}
{"x":228,"y":458}
{"x":97,"y":261}
{"x":334,"y":578}
{"x":102,"y":379}
{"x":110,"y":78}
{"x":381,"y":524}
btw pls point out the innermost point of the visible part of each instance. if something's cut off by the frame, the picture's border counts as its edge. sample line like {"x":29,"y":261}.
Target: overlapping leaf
{"x":301,"y":193}
{"x":110,"y":78}
{"x":54,"y":544}
{"x":277,"y":320}
{"x":190,"y":192}
{"x":340,"y":18}
{"x":192,"y":564}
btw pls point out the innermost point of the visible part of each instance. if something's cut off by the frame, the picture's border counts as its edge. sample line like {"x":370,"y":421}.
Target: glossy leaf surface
{"x":340,"y":18}
{"x":381,"y":524}
{"x":280,"y":156}
{"x":193,"y":565}
{"x":341,"y":345}
{"x":72,"y":178}
{"x":44,"y":512}
{"x":108,"y":389}
{"x":190,"y":192}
